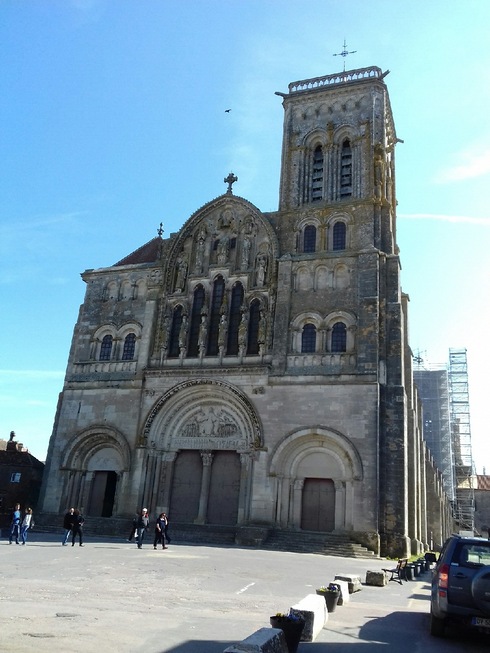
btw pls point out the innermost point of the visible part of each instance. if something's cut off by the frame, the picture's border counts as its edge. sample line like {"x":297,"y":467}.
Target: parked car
{"x":460,"y":592}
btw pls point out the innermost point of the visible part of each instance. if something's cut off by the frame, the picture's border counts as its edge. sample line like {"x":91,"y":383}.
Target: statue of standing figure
{"x":181,"y":273}
{"x":246,"y":245}
{"x":200,"y":246}
{"x":203,"y":334}
{"x":242,"y":331}
{"x":261,"y":269}
{"x":183,"y":333}
{"x":223,"y":250}
{"x":223,"y":328}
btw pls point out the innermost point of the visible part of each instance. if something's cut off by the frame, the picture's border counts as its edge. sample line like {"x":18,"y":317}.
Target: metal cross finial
{"x":230,"y":180}
{"x":344,"y":53}
{"x":160,"y":230}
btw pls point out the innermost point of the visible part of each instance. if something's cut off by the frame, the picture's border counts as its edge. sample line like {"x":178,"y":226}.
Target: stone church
{"x":253,"y":368}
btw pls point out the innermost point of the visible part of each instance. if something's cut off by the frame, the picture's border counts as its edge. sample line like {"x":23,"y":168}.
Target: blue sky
{"x":113,"y":120}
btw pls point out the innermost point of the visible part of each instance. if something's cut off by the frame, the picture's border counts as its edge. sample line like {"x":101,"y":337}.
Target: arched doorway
{"x":316,"y":471}
{"x":206,"y":432}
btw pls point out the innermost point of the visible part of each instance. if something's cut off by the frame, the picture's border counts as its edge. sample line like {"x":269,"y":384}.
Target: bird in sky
{"x":227,"y":110}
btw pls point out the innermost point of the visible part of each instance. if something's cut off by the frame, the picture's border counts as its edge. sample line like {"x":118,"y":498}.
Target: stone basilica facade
{"x":253,"y":368}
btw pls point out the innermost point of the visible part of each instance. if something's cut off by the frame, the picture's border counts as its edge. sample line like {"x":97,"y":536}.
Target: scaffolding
{"x":433,"y":388}
{"x":464,"y":506}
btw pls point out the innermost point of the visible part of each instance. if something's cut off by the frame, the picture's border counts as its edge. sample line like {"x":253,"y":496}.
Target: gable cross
{"x":230,"y":180}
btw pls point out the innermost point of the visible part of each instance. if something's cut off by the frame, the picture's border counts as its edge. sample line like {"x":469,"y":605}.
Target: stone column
{"x":167,"y":471}
{"x":340,"y":495}
{"x":295,"y":509}
{"x":279,"y":486}
{"x":207,"y":461}
{"x":69,"y":488}
{"x":246,"y":473}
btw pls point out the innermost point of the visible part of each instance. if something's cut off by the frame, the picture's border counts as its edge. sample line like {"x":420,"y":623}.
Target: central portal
{"x":318,"y":505}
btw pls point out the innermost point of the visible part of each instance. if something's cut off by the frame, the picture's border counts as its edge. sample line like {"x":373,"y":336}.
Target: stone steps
{"x":332,"y":544}
{"x":320,"y":543}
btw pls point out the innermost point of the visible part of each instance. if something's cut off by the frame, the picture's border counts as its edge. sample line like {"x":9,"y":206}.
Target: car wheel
{"x":480,"y":589}
{"x":437,"y":626}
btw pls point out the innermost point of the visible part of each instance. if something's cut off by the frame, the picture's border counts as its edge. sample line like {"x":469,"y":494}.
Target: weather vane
{"x":160,"y":230}
{"x":344,"y":53}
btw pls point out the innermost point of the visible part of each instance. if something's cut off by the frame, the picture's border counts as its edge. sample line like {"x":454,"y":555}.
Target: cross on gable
{"x":230,"y":180}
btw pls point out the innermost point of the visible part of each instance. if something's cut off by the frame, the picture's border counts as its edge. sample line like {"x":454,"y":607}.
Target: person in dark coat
{"x":77,"y":527}
{"x":142,"y":527}
{"x":160,"y":526}
{"x":68,"y":520}
{"x":133,"y":527}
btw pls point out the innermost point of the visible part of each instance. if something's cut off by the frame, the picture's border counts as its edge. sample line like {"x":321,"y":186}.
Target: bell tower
{"x":338,"y":149}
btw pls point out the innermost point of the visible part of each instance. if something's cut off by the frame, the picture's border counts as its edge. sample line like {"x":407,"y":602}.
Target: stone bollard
{"x":353,"y":581}
{"x":376,"y":578}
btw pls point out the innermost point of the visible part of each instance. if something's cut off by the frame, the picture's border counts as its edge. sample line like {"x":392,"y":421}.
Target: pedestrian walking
{"x":160,"y":531}
{"x":167,"y":538}
{"x":68,"y":520}
{"x":142,"y":527}
{"x":27,"y":523}
{"x":77,"y":527}
{"x":133,"y":527}
{"x":15,"y":524}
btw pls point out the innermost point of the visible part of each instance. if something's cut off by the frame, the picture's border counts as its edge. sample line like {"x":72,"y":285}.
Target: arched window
{"x":197,"y":306}
{"x":309,"y":238}
{"x":339,"y":337}
{"x":235,"y":319}
{"x":253,"y":328}
{"x":308,"y":339}
{"x":346,"y":169}
{"x":317,"y":175}
{"x":129,"y":347}
{"x":215,"y":316}
{"x":339,"y":236}
{"x":105,"y":348}
{"x":174,"y":349}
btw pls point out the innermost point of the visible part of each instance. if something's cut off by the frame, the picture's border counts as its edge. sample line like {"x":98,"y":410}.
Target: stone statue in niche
{"x":242,"y":330}
{"x":223,"y":246}
{"x":223,"y":328}
{"x":166,"y":321}
{"x":200,"y":247}
{"x":181,"y":273}
{"x":183,"y":333}
{"x":246,"y":246}
{"x":203,"y":334}
{"x":261,"y":269}
{"x":379,"y":172}
{"x":262,"y":328}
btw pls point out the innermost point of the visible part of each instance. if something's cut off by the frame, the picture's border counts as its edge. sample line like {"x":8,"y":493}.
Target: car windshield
{"x":475,"y":554}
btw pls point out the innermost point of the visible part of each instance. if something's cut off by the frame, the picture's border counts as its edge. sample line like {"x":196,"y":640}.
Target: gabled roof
{"x":147,"y":253}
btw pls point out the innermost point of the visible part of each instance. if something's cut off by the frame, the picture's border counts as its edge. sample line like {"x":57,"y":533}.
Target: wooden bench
{"x":398,"y":573}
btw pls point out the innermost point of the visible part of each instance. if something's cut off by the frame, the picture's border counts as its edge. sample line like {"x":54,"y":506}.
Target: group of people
{"x":72,"y":523}
{"x":141,"y":524}
{"x":19,"y":525}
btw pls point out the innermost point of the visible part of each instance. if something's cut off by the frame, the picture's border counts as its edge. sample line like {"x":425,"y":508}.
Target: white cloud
{"x":471,"y":163}
{"x":441,"y":217}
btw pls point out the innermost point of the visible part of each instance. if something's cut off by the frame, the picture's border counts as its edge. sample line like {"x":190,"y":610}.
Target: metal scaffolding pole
{"x":461,"y":436}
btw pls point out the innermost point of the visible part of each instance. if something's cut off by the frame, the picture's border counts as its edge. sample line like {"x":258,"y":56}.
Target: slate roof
{"x":147,"y":253}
